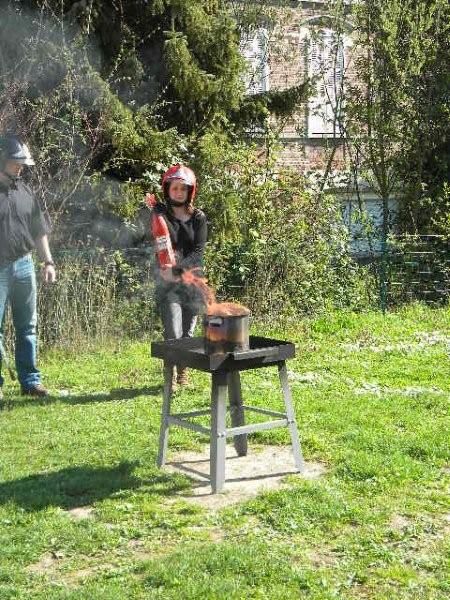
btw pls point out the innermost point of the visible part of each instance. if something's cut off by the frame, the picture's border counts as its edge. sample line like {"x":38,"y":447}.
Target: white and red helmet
{"x":180,"y":173}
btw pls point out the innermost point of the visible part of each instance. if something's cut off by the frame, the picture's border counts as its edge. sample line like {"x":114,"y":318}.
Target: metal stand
{"x":237,"y":411}
{"x":164,"y":430}
{"x":228,"y":383}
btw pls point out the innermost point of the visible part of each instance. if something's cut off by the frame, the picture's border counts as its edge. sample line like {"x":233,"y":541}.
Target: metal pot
{"x":226,"y":334}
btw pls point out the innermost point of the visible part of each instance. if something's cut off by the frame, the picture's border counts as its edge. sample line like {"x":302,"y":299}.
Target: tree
{"x":394,"y":116}
{"x":121,"y":89}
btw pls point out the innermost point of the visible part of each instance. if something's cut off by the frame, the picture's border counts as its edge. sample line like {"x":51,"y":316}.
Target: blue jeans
{"x":178,"y":319}
{"x":18,"y":286}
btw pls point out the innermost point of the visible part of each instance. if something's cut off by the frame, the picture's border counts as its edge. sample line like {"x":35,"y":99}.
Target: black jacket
{"x":188,"y":238}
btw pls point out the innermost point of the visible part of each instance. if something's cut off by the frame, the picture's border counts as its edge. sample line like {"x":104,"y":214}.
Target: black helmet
{"x":12,"y":148}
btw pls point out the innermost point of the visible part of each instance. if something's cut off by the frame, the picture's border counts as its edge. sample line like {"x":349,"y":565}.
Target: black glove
{"x":177,"y":271}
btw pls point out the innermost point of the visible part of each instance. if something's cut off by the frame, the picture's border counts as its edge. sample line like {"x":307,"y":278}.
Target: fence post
{"x":383,"y":274}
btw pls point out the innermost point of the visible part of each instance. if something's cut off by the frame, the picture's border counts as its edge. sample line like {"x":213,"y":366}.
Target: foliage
{"x":111,"y":94}
{"x":98,"y":296}
{"x":394,"y":115}
{"x":280,"y":247}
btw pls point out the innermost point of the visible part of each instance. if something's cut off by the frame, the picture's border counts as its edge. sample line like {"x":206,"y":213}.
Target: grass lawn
{"x":85,"y":514}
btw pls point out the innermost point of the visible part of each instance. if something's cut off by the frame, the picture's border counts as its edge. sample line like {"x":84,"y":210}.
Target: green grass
{"x":372,"y":400}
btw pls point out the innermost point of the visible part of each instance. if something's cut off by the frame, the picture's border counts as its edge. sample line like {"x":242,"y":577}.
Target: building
{"x":304,"y":43}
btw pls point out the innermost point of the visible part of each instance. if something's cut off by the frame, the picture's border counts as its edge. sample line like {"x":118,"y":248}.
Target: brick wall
{"x":288,"y":67}
{"x":305,"y":156}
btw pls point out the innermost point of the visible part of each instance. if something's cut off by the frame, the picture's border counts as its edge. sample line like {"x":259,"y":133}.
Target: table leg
{"x":164,"y":429}
{"x":237,"y":411}
{"x":296,"y":447}
{"x":218,"y":431}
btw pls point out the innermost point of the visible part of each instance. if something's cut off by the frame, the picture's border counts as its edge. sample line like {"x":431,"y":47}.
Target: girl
{"x":178,"y":303}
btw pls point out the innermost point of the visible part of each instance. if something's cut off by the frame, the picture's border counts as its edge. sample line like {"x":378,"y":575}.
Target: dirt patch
{"x":50,"y":564}
{"x":80,"y":513}
{"x":399,"y":523}
{"x":264,"y":468}
{"x":47,"y":562}
{"x":212,"y":534}
{"x":139,"y":550}
{"x":322,"y":559}
{"x":75,"y":576}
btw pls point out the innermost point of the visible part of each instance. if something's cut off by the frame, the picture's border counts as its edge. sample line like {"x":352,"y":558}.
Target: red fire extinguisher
{"x":160,"y":233}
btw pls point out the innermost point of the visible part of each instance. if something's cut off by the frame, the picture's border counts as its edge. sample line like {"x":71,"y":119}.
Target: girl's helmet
{"x":181,"y":173}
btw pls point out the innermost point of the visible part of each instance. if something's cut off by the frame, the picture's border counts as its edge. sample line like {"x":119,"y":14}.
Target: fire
{"x":218,"y":309}
{"x":190,"y":278}
{"x":227,"y":309}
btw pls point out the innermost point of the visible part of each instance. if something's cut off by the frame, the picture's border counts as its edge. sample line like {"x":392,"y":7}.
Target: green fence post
{"x":383,"y":274}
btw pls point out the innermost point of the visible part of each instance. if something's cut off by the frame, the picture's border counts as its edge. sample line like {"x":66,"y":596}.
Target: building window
{"x":325,"y":61}
{"x":254,"y":48}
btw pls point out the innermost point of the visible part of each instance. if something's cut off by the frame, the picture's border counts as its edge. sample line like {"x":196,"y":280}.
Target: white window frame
{"x":254,"y":48}
{"x":325,"y":104}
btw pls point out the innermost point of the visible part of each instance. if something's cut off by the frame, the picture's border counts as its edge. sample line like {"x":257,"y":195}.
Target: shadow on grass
{"x":116,"y":394}
{"x":83,"y":485}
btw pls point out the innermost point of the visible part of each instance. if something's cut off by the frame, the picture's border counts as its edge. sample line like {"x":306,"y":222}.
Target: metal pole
{"x":296,"y":446}
{"x":218,"y":431}
{"x":237,"y":411}
{"x":164,"y":430}
{"x":383,"y":273}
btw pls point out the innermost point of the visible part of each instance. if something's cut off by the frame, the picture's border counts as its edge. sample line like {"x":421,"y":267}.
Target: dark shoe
{"x":35,"y":390}
{"x":182,"y":376}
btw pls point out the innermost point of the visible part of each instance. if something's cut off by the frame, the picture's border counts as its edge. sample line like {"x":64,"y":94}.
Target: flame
{"x":190,"y":278}
{"x":218,"y":309}
{"x":227,"y":309}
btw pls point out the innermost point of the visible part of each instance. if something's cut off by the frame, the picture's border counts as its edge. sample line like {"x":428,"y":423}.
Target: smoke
{"x":38,"y":51}
{"x":52,"y":95}
{"x":199,"y":285}
{"x":88,"y":146}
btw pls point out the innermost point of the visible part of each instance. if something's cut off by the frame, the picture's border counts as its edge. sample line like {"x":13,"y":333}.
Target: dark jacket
{"x":188,"y":238}
{"x":189,"y":241}
{"x":22,"y":221}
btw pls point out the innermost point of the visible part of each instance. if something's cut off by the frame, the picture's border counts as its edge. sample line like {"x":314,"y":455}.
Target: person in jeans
{"x":178,"y":303}
{"x":23,"y":227}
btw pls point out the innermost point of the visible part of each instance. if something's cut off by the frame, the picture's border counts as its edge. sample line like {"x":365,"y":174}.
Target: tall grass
{"x":96,"y":297}
{"x":102,"y":295}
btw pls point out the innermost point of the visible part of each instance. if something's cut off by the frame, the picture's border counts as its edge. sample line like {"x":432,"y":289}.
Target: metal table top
{"x":190,"y":352}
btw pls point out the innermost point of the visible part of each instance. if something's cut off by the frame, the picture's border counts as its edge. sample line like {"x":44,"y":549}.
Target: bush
{"x":98,"y":295}
{"x":278,"y":247}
